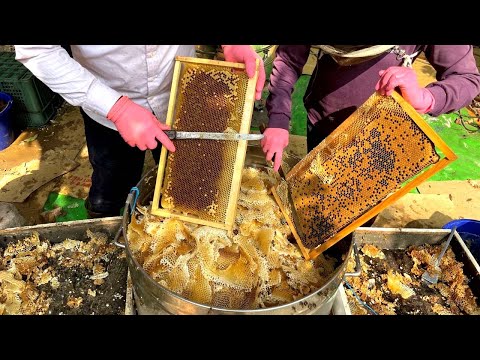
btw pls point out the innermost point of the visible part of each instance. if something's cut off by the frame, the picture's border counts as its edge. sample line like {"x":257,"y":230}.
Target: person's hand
{"x":274,"y":141}
{"x":138,"y":126}
{"x":405,"y":79}
{"x":245,"y":54}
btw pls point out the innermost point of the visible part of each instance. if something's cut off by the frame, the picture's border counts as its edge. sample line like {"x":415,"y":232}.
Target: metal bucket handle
{"x":358,"y":266}
{"x":6,"y":108}
{"x":130,"y":203}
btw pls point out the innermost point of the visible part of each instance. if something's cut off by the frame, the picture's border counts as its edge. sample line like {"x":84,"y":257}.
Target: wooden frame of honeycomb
{"x":319,"y":163}
{"x":192,"y":97}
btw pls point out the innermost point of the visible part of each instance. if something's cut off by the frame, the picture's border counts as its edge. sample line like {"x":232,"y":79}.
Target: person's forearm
{"x":65,"y":76}
{"x":287,"y":68}
{"x":457,"y":74}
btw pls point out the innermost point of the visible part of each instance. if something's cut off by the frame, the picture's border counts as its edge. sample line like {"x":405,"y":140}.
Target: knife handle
{"x":172,"y":134}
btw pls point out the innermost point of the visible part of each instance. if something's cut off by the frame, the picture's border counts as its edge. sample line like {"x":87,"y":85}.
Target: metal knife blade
{"x":174,"y":134}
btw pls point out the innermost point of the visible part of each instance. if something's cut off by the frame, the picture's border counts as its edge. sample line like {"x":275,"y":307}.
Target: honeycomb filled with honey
{"x":256,"y":267}
{"x":199,"y":176}
{"x":368,"y":158}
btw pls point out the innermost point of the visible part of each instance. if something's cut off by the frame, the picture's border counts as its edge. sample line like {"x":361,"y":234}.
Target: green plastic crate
{"x":8,"y":58}
{"x":25,"y":119}
{"x":29,"y":94}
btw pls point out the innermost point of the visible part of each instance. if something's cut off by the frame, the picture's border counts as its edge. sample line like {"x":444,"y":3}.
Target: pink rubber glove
{"x":138,"y":126}
{"x":245,"y":54}
{"x":274,"y":141}
{"x":406,"y":79}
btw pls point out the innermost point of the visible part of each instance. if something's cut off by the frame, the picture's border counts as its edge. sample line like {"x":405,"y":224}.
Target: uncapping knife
{"x":174,"y":134}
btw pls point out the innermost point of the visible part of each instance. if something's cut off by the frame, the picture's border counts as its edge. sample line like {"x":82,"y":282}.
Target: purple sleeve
{"x":458,"y":79}
{"x":287,"y":68}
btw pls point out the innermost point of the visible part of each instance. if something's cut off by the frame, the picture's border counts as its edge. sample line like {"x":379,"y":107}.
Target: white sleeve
{"x":65,"y":76}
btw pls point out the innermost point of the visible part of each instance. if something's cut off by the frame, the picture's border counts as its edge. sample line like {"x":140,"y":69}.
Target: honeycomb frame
{"x":332,"y":144}
{"x":165,"y":167}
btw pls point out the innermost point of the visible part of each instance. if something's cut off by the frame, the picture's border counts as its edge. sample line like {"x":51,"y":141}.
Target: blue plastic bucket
{"x":469,"y":230}
{"x":6,"y":129}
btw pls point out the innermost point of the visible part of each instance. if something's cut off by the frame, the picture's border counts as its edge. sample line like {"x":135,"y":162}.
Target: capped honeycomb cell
{"x":200,"y":181}
{"x":359,"y":169}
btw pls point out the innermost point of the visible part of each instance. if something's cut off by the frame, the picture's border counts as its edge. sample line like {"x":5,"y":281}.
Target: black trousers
{"x":314,"y":136}
{"x":117,"y":167}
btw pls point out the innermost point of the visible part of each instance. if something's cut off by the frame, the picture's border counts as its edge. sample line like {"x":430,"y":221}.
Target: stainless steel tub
{"x":58,"y":232}
{"x":401,"y":238}
{"x":152,"y":298}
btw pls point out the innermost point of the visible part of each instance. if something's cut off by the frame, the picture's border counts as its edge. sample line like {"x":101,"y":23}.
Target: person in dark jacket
{"x":347,"y":75}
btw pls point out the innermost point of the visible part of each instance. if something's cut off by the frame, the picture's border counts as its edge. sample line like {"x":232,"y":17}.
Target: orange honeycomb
{"x":377,"y":149}
{"x":199,"y":176}
{"x":256,"y":267}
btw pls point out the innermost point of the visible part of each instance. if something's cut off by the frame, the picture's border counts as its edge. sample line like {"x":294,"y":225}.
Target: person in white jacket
{"x":123,"y":92}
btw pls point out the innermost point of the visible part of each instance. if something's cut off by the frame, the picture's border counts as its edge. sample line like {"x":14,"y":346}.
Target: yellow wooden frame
{"x":241,"y":148}
{"x":449,"y":156}
{"x":290,"y":222}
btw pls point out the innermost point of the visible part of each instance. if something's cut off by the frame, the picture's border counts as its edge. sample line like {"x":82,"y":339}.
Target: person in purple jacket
{"x":346,"y":75}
